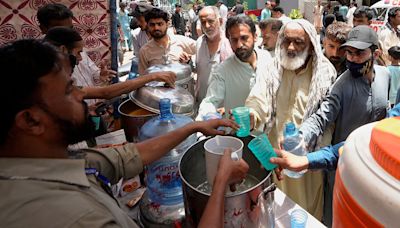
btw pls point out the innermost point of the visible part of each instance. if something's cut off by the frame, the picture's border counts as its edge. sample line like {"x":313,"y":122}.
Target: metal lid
{"x":148,"y":97}
{"x":182,"y":71}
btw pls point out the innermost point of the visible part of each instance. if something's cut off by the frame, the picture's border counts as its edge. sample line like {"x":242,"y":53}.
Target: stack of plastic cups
{"x":263,"y":150}
{"x":242,"y":117}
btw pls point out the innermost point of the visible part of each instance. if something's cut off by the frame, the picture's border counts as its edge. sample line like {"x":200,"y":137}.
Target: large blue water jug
{"x":293,"y":143}
{"x":163,"y":179}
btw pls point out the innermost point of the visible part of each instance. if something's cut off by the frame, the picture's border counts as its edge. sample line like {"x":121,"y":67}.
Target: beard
{"x":210,"y":34}
{"x":244,"y":53}
{"x":336,"y":60}
{"x":293,"y":60}
{"x":74,"y":133}
{"x":158,"y":34}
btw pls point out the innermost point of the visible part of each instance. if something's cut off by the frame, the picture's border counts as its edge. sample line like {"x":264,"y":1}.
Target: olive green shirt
{"x":58,"y":193}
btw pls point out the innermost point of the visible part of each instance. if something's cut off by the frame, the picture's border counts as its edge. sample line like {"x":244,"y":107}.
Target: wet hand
{"x":286,"y":160}
{"x":231,"y":171}
{"x":209,"y":127}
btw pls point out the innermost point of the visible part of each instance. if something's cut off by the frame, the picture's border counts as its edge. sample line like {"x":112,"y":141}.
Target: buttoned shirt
{"x":58,"y":193}
{"x":231,"y":82}
{"x":205,"y":62}
{"x":153,"y":53}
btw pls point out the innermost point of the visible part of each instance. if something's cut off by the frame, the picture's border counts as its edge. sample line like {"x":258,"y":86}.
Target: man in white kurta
{"x":293,"y":90}
{"x":232,"y":80}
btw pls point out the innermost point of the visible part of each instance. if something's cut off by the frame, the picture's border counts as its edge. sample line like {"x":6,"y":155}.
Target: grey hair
{"x":214,"y":9}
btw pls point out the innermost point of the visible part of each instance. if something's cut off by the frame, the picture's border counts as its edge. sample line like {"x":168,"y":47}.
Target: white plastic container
{"x":367,"y":185}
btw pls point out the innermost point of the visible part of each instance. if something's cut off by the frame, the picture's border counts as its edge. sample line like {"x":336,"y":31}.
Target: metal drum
{"x":253,"y":207}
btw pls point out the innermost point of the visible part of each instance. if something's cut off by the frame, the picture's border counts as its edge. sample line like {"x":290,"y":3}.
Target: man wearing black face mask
{"x":358,"y":97}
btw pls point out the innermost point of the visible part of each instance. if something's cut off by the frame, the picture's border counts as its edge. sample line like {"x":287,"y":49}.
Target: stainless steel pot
{"x":148,"y":97}
{"x":183,"y":73}
{"x":132,"y":119}
{"x":253,"y":207}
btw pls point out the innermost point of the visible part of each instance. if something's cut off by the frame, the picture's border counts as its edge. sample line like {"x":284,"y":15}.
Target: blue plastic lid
{"x":290,"y":130}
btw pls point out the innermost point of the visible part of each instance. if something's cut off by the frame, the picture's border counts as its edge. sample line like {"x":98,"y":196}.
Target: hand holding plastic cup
{"x":242,"y":117}
{"x":263,"y":150}
{"x":298,"y":218}
{"x":215,"y":147}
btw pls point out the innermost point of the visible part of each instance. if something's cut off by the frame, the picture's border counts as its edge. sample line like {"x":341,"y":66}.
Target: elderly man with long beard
{"x":212,"y":48}
{"x":300,"y":80}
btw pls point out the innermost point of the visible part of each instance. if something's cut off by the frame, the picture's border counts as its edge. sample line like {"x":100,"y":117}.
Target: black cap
{"x":361,"y":37}
{"x":141,"y":9}
{"x":178,"y":5}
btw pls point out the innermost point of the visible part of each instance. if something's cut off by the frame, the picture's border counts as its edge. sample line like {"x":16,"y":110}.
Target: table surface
{"x":284,"y":206}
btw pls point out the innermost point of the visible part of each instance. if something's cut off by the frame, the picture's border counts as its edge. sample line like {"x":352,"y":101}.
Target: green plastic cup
{"x":242,"y":117}
{"x":263,"y":150}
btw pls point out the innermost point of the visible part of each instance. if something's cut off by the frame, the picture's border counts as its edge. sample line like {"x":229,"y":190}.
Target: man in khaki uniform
{"x":45,"y":185}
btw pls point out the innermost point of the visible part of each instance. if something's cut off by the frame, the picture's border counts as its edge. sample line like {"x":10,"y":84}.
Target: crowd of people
{"x":328,"y":77}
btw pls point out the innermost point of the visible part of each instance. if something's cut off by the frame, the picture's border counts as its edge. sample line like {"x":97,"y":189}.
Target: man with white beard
{"x":291,"y":92}
{"x":212,"y":48}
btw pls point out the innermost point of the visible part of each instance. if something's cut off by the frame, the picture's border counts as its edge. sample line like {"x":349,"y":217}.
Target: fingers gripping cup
{"x":242,"y":117}
{"x":215,"y":147}
{"x":263,"y":150}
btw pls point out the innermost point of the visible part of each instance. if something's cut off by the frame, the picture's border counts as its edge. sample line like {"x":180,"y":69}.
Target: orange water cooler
{"x":367,"y":185}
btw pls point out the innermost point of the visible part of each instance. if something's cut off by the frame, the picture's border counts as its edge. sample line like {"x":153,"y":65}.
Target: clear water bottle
{"x":163,"y":180}
{"x":293,"y":143}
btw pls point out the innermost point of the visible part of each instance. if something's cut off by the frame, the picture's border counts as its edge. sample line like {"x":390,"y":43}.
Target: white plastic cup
{"x":215,"y":147}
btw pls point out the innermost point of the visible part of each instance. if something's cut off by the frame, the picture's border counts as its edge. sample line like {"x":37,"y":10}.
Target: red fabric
{"x":91,"y":18}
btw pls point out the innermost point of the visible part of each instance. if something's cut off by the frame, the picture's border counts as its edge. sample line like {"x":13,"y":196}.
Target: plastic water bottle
{"x":293,"y":143}
{"x":163,"y":180}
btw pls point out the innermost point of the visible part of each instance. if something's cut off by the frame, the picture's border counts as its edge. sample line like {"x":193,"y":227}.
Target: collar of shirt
{"x":395,"y":30}
{"x":69,"y":171}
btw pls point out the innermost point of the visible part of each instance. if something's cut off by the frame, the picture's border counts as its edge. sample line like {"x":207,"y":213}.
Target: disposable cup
{"x":242,"y":117}
{"x":298,"y":218}
{"x":263,"y":150}
{"x":214,"y":149}
{"x":96,"y":121}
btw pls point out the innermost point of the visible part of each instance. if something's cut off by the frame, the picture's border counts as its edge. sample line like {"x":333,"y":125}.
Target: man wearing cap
{"x":141,"y":35}
{"x":358,"y":97}
{"x":178,"y":21}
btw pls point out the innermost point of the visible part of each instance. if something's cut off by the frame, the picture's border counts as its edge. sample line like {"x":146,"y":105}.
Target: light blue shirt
{"x":265,"y":14}
{"x":394,"y":82}
{"x":231,"y":82}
